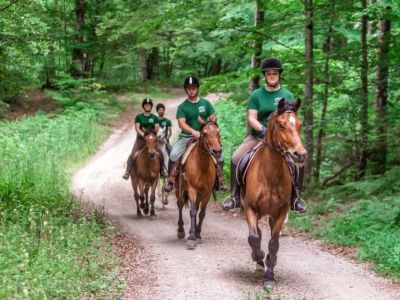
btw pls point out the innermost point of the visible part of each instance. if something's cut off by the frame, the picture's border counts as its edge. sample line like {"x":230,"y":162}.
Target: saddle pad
{"x":244,"y":163}
{"x":187,"y":152}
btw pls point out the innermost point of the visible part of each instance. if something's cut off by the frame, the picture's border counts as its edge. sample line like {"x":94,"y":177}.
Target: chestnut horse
{"x":269,"y":185}
{"x":196,"y":182}
{"x":145,"y":174}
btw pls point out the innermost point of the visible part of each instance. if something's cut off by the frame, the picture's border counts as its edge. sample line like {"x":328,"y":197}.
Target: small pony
{"x":145,"y":175}
{"x":269,"y":183}
{"x":196,"y":182}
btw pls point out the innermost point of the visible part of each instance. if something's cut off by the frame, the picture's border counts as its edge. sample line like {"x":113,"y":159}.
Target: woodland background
{"x":83,"y":56}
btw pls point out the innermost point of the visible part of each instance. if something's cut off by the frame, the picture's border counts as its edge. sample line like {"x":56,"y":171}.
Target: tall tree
{"x":309,"y":85}
{"x":364,"y":94}
{"x":381,"y":96}
{"x":78,"y":55}
{"x":257,"y":45}
{"x":327,"y":49}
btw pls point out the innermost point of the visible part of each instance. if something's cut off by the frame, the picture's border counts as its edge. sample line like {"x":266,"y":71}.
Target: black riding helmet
{"x":271,"y":63}
{"x":191,"y":80}
{"x":159,"y":105}
{"x":147,"y":101}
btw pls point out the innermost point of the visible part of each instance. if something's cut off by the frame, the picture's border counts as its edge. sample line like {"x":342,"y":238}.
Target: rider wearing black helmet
{"x":261,"y":104}
{"x":188,"y":114}
{"x":144,"y":122}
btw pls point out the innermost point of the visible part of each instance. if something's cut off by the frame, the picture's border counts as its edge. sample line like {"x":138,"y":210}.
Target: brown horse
{"x":196,"y":182}
{"x":268,"y":183}
{"x":145,"y":175}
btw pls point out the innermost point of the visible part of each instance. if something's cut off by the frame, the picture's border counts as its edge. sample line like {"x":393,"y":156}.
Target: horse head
{"x":150,"y":140}
{"x":284,"y":129}
{"x":210,"y":139}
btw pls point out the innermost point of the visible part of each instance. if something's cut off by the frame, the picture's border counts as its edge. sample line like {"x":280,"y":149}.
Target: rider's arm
{"x":169,"y":133}
{"x":252,"y":119}
{"x":213,"y":118}
{"x":187,"y":129}
{"x":138,"y":130}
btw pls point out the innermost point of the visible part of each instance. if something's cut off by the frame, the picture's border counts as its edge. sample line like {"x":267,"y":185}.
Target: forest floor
{"x":158,"y":266}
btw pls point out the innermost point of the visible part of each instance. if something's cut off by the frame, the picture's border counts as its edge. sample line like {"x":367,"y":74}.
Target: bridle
{"x":201,"y":143}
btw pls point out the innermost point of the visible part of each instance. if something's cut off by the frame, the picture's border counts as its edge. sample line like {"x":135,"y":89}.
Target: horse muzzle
{"x":298,"y":157}
{"x":216,"y":153}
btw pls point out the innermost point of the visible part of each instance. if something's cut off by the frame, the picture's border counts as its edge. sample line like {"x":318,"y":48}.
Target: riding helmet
{"x":271,"y":63}
{"x":191,"y":80}
{"x":147,"y":101}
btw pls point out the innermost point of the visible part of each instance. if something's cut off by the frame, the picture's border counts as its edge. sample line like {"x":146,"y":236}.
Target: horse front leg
{"x":273,"y":247}
{"x":141,"y":194}
{"x":181,"y":230}
{"x":136,"y":195}
{"x":191,"y":243}
{"x":202,"y":214}
{"x":254,"y":238}
{"x":146,"y":195}
{"x":153,"y":198}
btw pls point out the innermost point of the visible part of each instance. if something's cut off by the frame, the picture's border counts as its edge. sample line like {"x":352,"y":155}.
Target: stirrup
{"x":301,"y":206}
{"x":230,"y":203}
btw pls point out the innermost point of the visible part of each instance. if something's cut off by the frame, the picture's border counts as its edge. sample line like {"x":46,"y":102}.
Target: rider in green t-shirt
{"x":262,"y":103}
{"x":188,"y":114}
{"x":164,"y":122}
{"x":144,"y":122}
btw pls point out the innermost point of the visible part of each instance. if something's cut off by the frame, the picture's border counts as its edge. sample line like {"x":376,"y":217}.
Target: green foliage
{"x":364,"y":215}
{"x":231,"y":120}
{"x":49,"y":248}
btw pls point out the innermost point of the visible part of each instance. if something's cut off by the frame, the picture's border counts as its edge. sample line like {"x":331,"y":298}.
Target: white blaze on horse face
{"x":292,"y":120}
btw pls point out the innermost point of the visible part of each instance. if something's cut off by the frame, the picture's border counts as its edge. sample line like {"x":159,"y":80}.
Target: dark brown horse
{"x":145,"y":175}
{"x":196,"y":182}
{"x":268,"y":183}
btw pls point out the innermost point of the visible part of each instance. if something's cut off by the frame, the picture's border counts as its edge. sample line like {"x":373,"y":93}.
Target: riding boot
{"x":234,"y":200}
{"x":163,"y":172}
{"x":220,"y":186}
{"x":173,"y":168}
{"x":298,"y":205}
{"x":129,"y":166}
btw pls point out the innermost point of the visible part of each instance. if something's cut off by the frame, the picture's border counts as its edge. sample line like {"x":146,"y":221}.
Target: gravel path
{"x":220,"y":267}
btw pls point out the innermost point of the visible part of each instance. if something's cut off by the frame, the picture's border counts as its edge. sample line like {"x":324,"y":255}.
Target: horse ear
{"x":297,"y":104}
{"x":281,"y":105}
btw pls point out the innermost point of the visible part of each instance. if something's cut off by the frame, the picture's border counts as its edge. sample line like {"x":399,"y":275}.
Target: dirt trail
{"x":220,"y":267}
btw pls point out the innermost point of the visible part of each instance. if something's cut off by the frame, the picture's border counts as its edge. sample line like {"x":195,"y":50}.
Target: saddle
{"x":244,"y":163}
{"x":246,"y":159}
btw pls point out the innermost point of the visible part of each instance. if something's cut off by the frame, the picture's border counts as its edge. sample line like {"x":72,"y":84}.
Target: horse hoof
{"x":268,"y":284}
{"x":165,"y":201}
{"x":198,"y":241}
{"x":146,"y":211}
{"x":259,"y":269}
{"x":141,"y":205}
{"x":191,"y":244}
{"x":181,"y":235}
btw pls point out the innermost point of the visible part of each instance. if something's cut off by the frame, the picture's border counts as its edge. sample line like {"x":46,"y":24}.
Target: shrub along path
{"x":220,"y":267}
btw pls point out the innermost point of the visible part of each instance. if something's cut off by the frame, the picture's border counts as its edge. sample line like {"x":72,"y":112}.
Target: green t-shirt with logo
{"x":265,"y":102}
{"x":190,"y":111}
{"x":165,"y":123}
{"x":147,"y":123}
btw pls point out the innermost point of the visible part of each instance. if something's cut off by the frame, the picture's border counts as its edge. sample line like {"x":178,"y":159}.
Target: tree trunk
{"x":257,"y":47}
{"x":362,"y":165}
{"x":382,"y":74}
{"x":308,"y":90}
{"x":77,"y":52}
{"x":327,"y":48}
{"x":143,"y":65}
{"x":152,"y":64}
